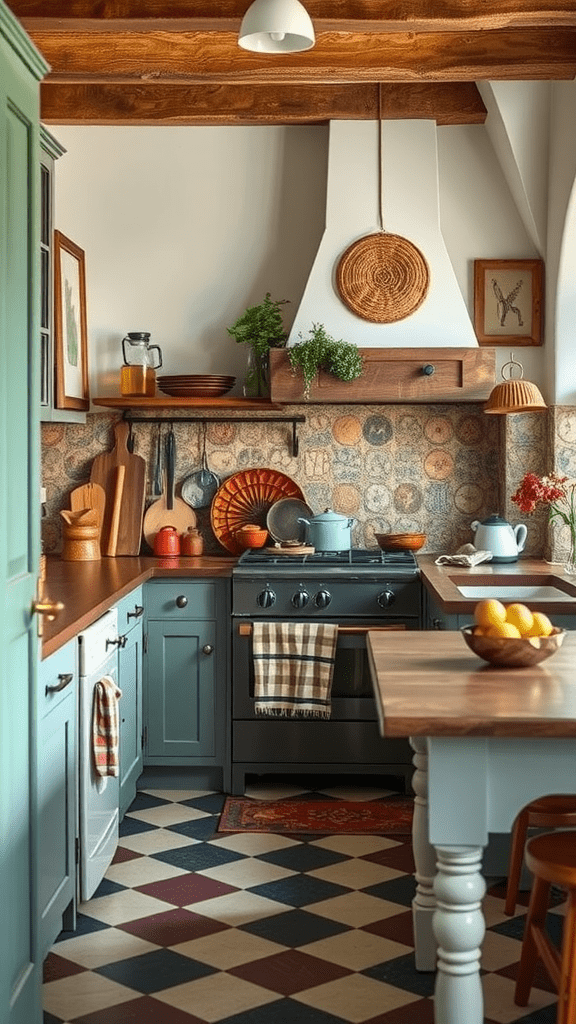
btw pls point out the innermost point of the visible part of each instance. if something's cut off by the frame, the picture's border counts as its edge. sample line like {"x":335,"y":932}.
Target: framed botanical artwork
{"x":70,"y":334}
{"x":508,"y":302}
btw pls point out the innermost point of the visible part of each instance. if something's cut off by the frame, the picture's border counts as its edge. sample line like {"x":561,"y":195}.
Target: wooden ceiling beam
{"x":327,"y":15}
{"x":445,"y":103}
{"x":214,"y":57}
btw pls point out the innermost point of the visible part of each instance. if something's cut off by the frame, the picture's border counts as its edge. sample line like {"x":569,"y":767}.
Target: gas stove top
{"x":356,"y":561}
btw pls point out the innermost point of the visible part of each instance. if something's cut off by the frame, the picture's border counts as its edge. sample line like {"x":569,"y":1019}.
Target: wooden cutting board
{"x":292,"y":549}
{"x":89,"y":496}
{"x":180,"y":516}
{"x":168,"y":510}
{"x":105,"y":472}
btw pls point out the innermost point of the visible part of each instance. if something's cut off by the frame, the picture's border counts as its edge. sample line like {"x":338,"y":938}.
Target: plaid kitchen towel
{"x":105,"y":726}
{"x":293,"y":668}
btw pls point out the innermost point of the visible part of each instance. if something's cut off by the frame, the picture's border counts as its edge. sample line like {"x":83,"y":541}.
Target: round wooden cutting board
{"x":180,"y":516}
{"x":292,"y":549}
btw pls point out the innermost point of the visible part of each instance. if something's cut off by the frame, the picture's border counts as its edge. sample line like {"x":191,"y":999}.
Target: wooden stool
{"x":552,"y":860}
{"x":546,"y":812}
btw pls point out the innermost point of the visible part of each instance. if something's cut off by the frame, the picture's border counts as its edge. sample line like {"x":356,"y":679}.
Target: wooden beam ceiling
{"x":178,"y":61}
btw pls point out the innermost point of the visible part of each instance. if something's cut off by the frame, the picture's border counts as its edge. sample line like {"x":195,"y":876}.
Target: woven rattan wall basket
{"x":382,"y":278}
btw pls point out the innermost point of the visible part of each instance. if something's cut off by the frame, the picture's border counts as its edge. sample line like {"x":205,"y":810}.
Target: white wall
{"x":185,"y":227}
{"x":518,"y":124}
{"x":561,"y":267}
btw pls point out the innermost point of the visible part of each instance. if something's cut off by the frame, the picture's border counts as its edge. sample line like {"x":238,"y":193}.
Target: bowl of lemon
{"x":511,"y":636}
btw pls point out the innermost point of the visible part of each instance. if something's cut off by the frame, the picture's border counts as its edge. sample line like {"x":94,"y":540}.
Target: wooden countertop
{"x":442,"y":582}
{"x":433,"y":685}
{"x":88,"y":589}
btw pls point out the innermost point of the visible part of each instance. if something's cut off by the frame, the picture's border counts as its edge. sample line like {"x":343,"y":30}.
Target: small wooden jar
{"x":81,"y":543}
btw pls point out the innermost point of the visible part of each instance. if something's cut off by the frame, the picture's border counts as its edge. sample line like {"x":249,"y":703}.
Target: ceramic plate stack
{"x":196,"y":385}
{"x":247,"y":497}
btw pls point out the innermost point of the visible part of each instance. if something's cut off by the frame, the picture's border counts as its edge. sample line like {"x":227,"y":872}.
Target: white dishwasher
{"x":98,"y":795}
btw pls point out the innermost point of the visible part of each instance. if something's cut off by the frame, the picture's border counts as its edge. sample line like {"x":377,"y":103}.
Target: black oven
{"x":352,"y":694}
{"x":349,"y":742}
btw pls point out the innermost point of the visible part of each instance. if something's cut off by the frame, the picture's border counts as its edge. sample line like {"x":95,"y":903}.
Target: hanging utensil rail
{"x":294,"y":420}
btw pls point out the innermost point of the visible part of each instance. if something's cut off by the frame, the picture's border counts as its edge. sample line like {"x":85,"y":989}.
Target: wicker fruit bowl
{"x":401,"y":541}
{"x":512,"y":652}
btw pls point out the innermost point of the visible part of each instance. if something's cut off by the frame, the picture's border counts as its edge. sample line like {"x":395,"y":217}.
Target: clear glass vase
{"x":257,"y":379}
{"x":570,"y":563}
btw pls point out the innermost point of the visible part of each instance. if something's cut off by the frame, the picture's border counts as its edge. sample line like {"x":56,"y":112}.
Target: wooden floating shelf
{"x":394,"y":375}
{"x":165,"y":402}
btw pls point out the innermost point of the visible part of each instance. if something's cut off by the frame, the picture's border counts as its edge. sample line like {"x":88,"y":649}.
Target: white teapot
{"x":503,"y":540}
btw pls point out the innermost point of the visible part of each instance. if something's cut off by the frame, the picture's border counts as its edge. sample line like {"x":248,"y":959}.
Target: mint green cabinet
{"x":56,"y":793}
{"x":21,"y":69}
{"x":130,"y":619}
{"x":186,"y":667}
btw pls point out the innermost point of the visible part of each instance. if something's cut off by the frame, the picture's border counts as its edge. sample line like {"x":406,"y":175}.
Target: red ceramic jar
{"x":167,"y":541}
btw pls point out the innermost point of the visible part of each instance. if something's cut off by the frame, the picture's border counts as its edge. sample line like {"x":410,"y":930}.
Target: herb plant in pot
{"x":261,"y":328}
{"x":321,"y":352}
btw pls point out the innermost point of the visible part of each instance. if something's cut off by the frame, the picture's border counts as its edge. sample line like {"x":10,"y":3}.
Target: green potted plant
{"x":261,"y":328}
{"x":321,"y":352}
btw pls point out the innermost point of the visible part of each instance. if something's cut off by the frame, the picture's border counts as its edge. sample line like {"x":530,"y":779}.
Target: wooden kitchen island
{"x":486,"y":742}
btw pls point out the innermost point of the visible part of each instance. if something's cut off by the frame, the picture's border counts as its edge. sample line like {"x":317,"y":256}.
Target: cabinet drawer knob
{"x":65,"y":678}
{"x":181,"y":601}
{"x":138,"y":611}
{"x":207,"y":649}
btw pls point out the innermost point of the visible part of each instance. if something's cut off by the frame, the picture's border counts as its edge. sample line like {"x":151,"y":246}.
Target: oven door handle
{"x":245,"y":629}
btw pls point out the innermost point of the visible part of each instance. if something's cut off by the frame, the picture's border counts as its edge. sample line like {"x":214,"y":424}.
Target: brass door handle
{"x":48,"y":608}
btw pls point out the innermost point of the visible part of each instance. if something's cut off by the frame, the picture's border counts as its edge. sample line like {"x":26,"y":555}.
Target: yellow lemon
{"x":503,"y":629}
{"x":521,"y":617}
{"x":489,"y":612}
{"x":541,"y":625}
{"x":479,"y":631}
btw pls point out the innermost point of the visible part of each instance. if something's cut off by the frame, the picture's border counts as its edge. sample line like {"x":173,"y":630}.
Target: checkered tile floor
{"x":192,"y":926}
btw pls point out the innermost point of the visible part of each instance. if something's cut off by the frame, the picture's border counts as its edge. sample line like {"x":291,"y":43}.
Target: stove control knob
{"x":300,"y":598}
{"x":386,"y":599}
{"x":323,"y":598}
{"x":266,"y":598}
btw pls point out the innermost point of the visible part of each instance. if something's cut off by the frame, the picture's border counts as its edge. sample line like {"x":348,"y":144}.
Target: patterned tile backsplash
{"x":432,"y":468}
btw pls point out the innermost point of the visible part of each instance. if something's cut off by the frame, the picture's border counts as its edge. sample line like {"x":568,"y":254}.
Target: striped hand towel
{"x":105,"y":726}
{"x":293,"y":668}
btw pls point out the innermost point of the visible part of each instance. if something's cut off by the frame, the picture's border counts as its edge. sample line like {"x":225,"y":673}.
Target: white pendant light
{"x":276,"y":26}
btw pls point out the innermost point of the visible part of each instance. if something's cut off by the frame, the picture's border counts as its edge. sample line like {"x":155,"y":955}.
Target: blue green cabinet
{"x":436,"y":618}
{"x":186,"y":658}
{"x":56,"y":793}
{"x":21,"y":70}
{"x":130,"y":619}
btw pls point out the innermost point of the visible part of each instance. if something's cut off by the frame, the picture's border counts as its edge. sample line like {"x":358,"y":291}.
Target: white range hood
{"x":410,"y":207}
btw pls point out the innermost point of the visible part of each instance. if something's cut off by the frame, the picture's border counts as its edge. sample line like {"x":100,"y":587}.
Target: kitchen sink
{"x":517,"y":592}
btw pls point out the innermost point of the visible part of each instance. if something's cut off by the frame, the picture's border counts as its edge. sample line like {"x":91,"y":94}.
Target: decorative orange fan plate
{"x":247,"y":497}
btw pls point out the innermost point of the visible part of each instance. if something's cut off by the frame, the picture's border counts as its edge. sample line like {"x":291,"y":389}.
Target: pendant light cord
{"x":380,"y":161}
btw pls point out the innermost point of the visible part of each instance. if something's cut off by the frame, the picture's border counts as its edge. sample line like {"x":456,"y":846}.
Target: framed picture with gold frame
{"x":508,"y":302}
{"x":70,"y":332}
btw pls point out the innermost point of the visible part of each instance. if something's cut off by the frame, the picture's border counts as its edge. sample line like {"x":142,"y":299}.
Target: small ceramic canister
{"x":167,"y":541}
{"x":192,"y":542}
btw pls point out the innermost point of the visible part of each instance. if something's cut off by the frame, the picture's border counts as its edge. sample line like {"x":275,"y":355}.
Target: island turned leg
{"x":459,"y":929}
{"x":424,"y":902}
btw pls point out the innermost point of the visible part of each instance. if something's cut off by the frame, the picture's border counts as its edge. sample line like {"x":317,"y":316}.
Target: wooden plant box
{"x":394,"y":375}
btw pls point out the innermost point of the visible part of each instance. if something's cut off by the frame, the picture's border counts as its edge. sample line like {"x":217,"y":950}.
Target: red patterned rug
{"x":391,"y":814}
